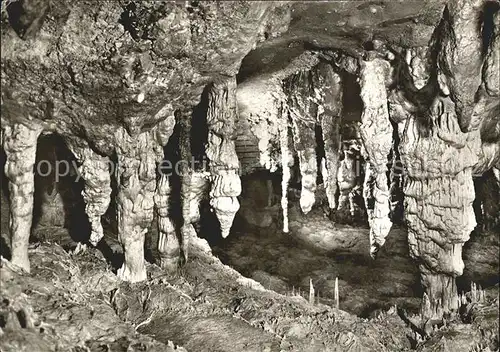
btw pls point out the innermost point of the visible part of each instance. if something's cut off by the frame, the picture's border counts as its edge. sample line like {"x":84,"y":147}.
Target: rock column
{"x":19,"y":143}
{"x":328,"y":88}
{"x":303,"y":116}
{"x":136,"y":173}
{"x":376,"y":133}
{"x":286,"y":163}
{"x":224,"y":165}
{"x":94,"y":170}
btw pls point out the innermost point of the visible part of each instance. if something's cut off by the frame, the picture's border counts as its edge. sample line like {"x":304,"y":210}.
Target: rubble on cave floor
{"x":74,"y":302}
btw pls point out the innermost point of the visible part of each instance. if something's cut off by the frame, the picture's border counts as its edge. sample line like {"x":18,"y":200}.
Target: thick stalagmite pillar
{"x":168,"y":242}
{"x":328,"y":88}
{"x":136,"y":173}
{"x":186,"y":172}
{"x":303,"y":115}
{"x":19,"y":144}
{"x":439,"y":188}
{"x":438,"y":203}
{"x":376,"y":133}
{"x":225,"y":181}
{"x":94,"y":170}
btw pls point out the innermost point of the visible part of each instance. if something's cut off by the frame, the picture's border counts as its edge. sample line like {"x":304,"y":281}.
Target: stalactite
{"x":19,"y":143}
{"x":224,"y":165}
{"x":376,"y":132}
{"x":304,"y":143}
{"x":94,"y":170}
{"x":299,"y":93}
{"x":136,"y":173}
{"x":491,"y":68}
{"x":460,"y":61}
{"x":286,"y":163}
{"x":328,"y":89}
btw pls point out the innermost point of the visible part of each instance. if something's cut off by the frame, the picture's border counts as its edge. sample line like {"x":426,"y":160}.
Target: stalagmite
{"x":19,"y":143}
{"x":185,"y":170}
{"x":168,"y":243}
{"x":198,"y":189}
{"x":328,"y":85}
{"x":439,"y":190}
{"x":311,"y":292}
{"x":346,"y":183}
{"x":303,"y":118}
{"x":438,"y":201}
{"x":136,"y":173}
{"x":286,"y":163}
{"x":376,"y":132}
{"x":224,"y":165}
{"x":94,"y":170}
{"x":336,"y":293}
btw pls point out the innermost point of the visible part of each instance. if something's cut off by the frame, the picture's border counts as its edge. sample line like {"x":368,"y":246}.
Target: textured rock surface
{"x":117,"y":80}
{"x":303,"y":113}
{"x":168,"y":243}
{"x":328,"y":91}
{"x":95,"y":171}
{"x":221,"y":152}
{"x":136,"y":171}
{"x":19,"y":144}
{"x":376,"y":132}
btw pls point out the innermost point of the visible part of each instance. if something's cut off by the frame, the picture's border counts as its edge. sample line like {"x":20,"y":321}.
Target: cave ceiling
{"x":76,"y":64}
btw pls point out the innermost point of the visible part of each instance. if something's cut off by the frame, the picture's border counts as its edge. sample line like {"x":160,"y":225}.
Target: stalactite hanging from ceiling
{"x":225,"y":181}
{"x":376,"y":133}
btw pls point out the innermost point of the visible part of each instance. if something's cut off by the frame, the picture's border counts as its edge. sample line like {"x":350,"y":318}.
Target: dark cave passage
{"x":58,"y":193}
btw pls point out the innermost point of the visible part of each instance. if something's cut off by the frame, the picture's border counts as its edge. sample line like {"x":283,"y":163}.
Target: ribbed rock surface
{"x":221,"y":152}
{"x":19,"y":144}
{"x":376,"y":132}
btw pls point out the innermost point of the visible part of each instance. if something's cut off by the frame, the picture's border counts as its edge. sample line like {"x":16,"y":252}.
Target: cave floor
{"x":319,"y":250}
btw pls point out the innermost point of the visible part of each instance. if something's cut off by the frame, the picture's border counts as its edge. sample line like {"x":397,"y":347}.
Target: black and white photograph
{"x":250,"y":176}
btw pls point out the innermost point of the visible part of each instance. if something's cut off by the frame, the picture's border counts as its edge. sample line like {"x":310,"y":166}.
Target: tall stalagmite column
{"x":439,"y":163}
{"x":299,"y":92}
{"x":94,"y":170}
{"x":286,"y":162}
{"x":438,"y":203}
{"x":376,"y":133}
{"x":19,"y":144}
{"x":186,"y":173}
{"x":168,"y":242}
{"x":225,"y":181}
{"x":328,"y":88}
{"x":137,"y":157}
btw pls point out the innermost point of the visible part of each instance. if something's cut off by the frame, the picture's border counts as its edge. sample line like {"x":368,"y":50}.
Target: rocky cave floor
{"x":72,"y":300}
